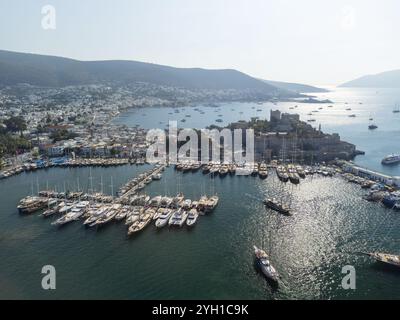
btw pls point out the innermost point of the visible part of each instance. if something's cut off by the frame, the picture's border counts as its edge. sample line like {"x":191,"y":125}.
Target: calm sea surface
{"x":214,"y":260}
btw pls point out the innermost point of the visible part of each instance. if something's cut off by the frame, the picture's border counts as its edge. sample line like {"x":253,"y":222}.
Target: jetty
{"x":138,"y":183}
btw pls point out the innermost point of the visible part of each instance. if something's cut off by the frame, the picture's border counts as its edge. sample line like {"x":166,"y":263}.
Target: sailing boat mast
{"x":77,"y":183}
{"x":269,"y":241}
{"x":90,"y":180}
{"x":112,"y":188}
{"x":283,"y":150}
{"x":101,"y":185}
{"x":294,"y":154}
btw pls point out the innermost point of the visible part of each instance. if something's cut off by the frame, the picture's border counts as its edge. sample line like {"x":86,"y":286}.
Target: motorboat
{"x":211,"y":203}
{"x":192,"y":217}
{"x":187,"y":203}
{"x":95,"y":214}
{"x":122,"y":214}
{"x":391,"y":159}
{"x":163,"y":218}
{"x":265,"y":265}
{"x":134,"y":215}
{"x":178,"y":218}
{"x":108,"y":216}
{"x":140,"y":224}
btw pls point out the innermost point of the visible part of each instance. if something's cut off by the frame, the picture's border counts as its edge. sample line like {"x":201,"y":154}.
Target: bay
{"x":214,"y":260}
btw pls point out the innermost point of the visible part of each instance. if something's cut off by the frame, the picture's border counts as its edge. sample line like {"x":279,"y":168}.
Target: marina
{"x":330,"y":221}
{"x":139,"y":211}
{"x":175,"y":153}
{"x":34,"y":165}
{"x":236,"y":224}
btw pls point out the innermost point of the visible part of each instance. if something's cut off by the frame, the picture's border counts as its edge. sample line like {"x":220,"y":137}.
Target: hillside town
{"x":47,"y":123}
{"x":46,"y":126}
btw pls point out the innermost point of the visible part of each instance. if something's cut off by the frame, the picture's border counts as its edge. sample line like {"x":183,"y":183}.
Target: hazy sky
{"x":309,"y":41}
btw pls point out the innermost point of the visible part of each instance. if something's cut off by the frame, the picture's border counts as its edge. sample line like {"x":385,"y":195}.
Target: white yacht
{"x":82,"y":205}
{"x":178,"y":218}
{"x":244,"y":169}
{"x":77,"y":213}
{"x":94,"y":215}
{"x":68,"y":217}
{"x":65,"y":208}
{"x":187,"y":204}
{"x":166,"y":202}
{"x":201,"y":206}
{"x":74,"y":214}
{"x":108,"y":216}
{"x":159,"y":212}
{"x":391,"y":159}
{"x":134,"y":215}
{"x":192,"y":217}
{"x":156,"y":201}
{"x":211,"y":203}
{"x":52,"y":207}
{"x":163,"y":218}
{"x":132,"y":218}
{"x":122,"y":213}
{"x":265,"y":265}
{"x":144,"y":220}
{"x":156,"y":176}
{"x":177,"y":200}
{"x":139,"y":225}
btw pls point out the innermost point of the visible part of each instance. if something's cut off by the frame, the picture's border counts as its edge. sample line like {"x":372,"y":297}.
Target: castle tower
{"x":275,"y":116}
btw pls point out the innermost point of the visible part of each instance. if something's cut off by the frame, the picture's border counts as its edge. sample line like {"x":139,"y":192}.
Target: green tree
{"x":114,"y":152}
{"x":15,"y":124}
{"x":62,"y":134}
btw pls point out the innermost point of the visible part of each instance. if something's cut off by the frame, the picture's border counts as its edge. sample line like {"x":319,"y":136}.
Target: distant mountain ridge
{"x":388,"y":79}
{"x":51,"y":71}
{"x":295,"y":87}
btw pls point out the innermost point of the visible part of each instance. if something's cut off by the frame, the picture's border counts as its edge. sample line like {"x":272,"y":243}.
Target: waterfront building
{"x":303,"y":148}
{"x":350,"y":167}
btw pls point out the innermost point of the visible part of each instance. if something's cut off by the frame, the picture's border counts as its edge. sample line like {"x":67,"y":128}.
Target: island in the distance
{"x":296,"y":87}
{"x":388,"y":79}
{"x":313,"y":100}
